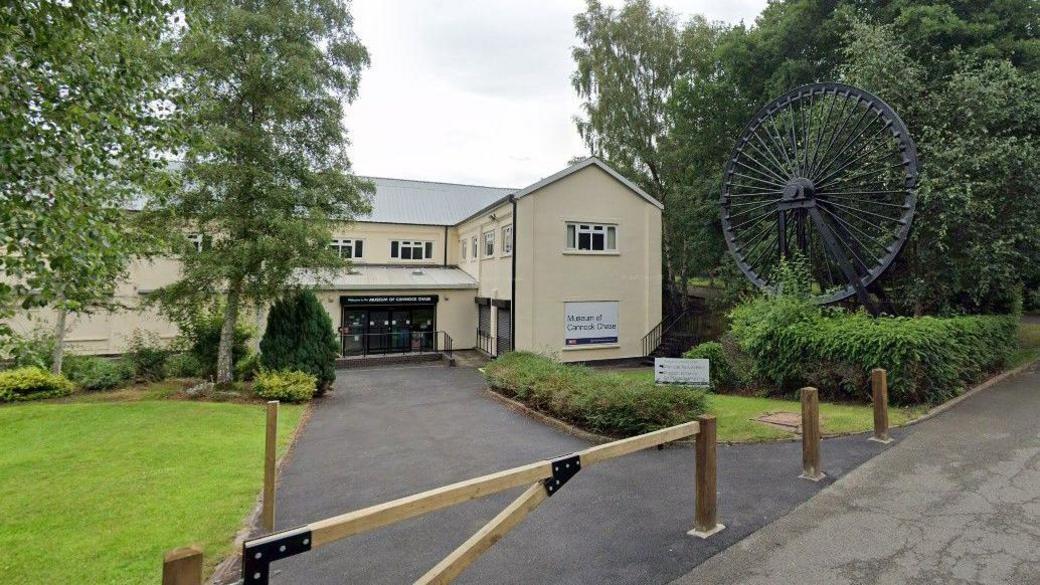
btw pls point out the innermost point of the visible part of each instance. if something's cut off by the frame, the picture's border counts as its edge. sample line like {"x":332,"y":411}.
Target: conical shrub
{"x":300,"y":336}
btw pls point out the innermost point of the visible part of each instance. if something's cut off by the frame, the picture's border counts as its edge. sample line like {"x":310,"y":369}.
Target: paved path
{"x":390,"y":432}
{"x":957,"y":502}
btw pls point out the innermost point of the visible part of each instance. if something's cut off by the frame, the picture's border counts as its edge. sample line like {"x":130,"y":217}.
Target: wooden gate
{"x":543,"y":478}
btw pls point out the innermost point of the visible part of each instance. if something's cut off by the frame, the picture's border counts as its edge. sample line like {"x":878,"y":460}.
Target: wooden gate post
{"x":706,"y":515}
{"x":811,"y":435}
{"x":879,"y":384}
{"x":182,"y":566}
{"x":270,"y":452}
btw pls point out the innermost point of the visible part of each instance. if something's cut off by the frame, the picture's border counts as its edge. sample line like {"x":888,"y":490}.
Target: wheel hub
{"x":798,"y":193}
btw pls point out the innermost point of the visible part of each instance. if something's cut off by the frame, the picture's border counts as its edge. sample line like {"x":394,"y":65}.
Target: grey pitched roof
{"x":378,"y":277}
{"x":429,"y":203}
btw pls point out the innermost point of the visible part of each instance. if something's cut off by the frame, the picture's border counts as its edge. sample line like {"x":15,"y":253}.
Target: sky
{"x":476,"y":91}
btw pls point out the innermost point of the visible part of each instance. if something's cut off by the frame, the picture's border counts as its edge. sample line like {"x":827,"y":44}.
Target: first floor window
{"x":463,"y":246}
{"x":489,"y":244}
{"x":507,"y":240}
{"x":348,"y":248}
{"x":592,"y":237}
{"x":473,"y":247}
{"x":411,"y":250}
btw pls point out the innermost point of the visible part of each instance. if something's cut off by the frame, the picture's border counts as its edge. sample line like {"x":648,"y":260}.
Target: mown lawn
{"x":735,"y":414}
{"x":94,"y":491}
{"x":1028,"y":341}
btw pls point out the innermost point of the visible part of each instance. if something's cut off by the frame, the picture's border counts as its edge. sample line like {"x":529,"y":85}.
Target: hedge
{"x":595,"y":401}
{"x":93,"y":373}
{"x":792,"y":342}
{"x":32,"y":383}
{"x":284,"y":386}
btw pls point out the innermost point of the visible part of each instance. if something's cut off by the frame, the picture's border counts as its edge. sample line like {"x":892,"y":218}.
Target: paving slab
{"x":394,"y":431}
{"x":957,"y":502}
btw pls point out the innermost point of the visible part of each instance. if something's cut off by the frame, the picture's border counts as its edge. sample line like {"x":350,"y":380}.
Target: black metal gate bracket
{"x":258,"y":554}
{"x":563,"y":468}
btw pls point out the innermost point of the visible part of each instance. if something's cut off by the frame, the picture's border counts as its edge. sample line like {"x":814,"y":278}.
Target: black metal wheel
{"x":826,"y":171}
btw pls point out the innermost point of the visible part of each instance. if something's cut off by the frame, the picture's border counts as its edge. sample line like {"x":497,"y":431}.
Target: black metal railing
{"x":687,"y":323}
{"x":366,"y":344}
{"x":485,"y":342}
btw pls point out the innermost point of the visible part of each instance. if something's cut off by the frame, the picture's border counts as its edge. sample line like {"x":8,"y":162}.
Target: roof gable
{"x":591,"y":161}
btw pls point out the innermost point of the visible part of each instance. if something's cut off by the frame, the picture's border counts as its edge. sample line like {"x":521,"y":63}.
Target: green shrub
{"x":32,"y":383}
{"x":35,"y":348}
{"x":204,"y":340}
{"x":183,"y":365}
{"x":929,"y":359}
{"x":92,"y":373}
{"x":247,"y":367}
{"x":300,"y":336}
{"x":723,"y":374}
{"x":287,"y":386}
{"x":147,"y":356}
{"x":599,"y":402}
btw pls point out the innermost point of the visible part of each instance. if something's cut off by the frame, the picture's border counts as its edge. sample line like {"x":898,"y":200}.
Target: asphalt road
{"x":390,"y":432}
{"x":956,"y":503}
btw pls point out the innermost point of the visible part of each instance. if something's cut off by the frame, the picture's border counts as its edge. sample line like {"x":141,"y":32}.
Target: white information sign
{"x":590,"y":323}
{"x":681,"y":371}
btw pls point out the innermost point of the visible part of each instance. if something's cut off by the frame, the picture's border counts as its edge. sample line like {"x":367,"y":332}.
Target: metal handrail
{"x":652,"y":340}
{"x":415,"y":342}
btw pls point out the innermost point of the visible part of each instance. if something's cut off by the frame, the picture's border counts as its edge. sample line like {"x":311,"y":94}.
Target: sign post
{"x":691,"y":372}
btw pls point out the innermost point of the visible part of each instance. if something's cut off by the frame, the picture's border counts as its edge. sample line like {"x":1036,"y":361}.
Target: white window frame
{"x":489,"y":244}
{"x":575,"y":229}
{"x":507,"y":240}
{"x":341,"y":244}
{"x":474,"y":249}
{"x":464,"y":246}
{"x":424,"y":247}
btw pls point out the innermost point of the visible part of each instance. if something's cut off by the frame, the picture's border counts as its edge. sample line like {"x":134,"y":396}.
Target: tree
{"x":86,"y":114}
{"x":265,"y":174}
{"x":300,"y":336}
{"x":976,"y":238}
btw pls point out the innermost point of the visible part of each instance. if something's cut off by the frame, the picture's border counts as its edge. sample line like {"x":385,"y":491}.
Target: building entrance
{"x":388,"y":324}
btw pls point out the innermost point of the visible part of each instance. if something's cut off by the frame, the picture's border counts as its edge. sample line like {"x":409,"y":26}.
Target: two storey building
{"x":570,"y":265}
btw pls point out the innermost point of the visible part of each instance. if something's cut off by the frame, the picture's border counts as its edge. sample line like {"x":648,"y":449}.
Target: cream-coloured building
{"x":570,"y":265}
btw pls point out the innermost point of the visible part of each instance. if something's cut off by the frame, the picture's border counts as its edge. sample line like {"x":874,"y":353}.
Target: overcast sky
{"x":476,"y":91}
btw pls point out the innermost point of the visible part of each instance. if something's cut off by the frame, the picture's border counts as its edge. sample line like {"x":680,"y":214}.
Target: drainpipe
{"x":512,"y":283}
{"x":445,"y":245}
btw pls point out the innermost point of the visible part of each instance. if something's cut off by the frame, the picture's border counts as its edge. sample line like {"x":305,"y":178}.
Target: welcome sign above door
{"x":590,"y":323}
{"x":389,"y":300}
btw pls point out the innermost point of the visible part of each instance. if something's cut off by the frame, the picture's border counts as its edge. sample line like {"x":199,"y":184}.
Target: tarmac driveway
{"x":394,"y":431}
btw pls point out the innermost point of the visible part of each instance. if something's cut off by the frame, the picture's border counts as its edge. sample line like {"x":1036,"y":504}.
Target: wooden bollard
{"x":879,"y":385}
{"x":182,"y":566}
{"x":270,"y":452}
{"x":811,"y":435}
{"x":706,"y":515}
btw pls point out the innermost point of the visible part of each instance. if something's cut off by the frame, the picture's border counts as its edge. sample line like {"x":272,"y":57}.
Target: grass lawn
{"x":734,"y":414}
{"x":1028,"y":341}
{"x":95,"y":488}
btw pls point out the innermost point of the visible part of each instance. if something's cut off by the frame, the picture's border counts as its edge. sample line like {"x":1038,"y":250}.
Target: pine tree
{"x":300,"y":336}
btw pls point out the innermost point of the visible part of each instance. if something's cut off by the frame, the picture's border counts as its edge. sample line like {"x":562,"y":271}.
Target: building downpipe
{"x":512,"y":282}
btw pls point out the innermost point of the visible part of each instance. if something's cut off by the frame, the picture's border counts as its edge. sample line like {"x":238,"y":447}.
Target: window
{"x":489,"y":244}
{"x":473,"y":247}
{"x":411,"y":250}
{"x":348,"y":248}
{"x":463,"y":246}
{"x":507,"y":240}
{"x":592,"y":237}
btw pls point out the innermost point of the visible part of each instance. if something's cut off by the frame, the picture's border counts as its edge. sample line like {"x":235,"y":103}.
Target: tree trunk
{"x":225,"y":365}
{"x":58,"y":353}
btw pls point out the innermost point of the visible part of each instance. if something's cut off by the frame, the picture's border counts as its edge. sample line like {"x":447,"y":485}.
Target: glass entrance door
{"x":355,"y":325}
{"x":379,"y":331}
{"x":401,"y":331}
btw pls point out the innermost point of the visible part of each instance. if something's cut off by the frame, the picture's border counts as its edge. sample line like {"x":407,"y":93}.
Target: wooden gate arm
{"x":257,"y":554}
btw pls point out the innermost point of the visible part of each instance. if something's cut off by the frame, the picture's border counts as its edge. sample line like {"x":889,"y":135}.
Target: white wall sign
{"x":681,"y":371}
{"x":590,"y":323}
